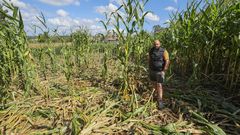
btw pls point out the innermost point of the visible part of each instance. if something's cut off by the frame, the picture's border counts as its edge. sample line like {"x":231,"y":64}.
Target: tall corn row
{"x":45,"y":53}
{"x":105,"y":67}
{"x":127,"y":22}
{"x":14,"y":55}
{"x":81,"y":42}
{"x":75,"y":55}
{"x":68,"y":63}
{"x":205,"y":41}
{"x":143,"y":42}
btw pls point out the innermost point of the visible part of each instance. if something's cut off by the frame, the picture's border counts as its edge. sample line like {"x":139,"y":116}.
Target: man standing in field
{"x":158,"y":60}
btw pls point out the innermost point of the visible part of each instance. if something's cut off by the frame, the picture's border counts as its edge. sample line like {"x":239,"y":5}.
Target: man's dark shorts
{"x":156,"y":76}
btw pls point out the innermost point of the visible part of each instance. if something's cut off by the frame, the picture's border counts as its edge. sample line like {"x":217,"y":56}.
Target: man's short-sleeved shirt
{"x":165,"y":55}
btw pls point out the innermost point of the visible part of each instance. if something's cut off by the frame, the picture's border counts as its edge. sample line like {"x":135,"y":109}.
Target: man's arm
{"x":167,"y":61}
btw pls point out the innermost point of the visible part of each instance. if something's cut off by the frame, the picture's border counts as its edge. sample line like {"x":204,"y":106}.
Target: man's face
{"x":157,"y":44}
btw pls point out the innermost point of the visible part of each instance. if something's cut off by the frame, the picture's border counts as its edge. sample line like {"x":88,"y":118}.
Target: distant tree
{"x":99,"y":37}
{"x":42,"y":38}
{"x":157,"y":29}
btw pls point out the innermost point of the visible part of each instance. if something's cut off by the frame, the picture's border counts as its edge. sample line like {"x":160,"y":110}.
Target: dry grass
{"x":88,"y":105}
{"x":52,"y":45}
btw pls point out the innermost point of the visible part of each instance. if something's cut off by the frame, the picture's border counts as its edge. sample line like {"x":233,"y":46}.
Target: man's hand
{"x":162,"y":73}
{"x":166,"y":65}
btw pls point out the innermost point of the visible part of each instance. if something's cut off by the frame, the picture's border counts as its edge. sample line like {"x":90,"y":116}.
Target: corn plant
{"x":15,"y":55}
{"x":68,"y":63}
{"x":130,"y":15}
{"x":105,"y":67}
{"x":143,"y":42}
{"x":205,"y":41}
{"x":81,"y":42}
{"x":45,"y":53}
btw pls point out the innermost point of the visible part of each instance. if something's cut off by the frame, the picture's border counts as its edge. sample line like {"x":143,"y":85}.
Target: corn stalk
{"x":15,"y":65}
{"x":81,"y":42}
{"x":127,"y":21}
{"x":204,"y":41}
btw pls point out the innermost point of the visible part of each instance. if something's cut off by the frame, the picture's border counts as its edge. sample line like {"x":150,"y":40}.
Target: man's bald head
{"x":157,"y":43}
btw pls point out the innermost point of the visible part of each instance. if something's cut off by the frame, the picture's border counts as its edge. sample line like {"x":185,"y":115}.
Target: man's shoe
{"x":160,"y":105}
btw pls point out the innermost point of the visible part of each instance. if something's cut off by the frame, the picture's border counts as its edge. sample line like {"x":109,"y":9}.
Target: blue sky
{"x":69,"y":14}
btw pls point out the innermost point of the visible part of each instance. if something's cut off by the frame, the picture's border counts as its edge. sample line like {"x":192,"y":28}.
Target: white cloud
{"x":106,"y":9}
{"x":109,"y":9}
{"x":170,"y":8}
{"x":119,"y":2}
{"x":97,"y":29}
{"x":167,"y":21}
{"x":17,"y":3}
{"x":62,"y":13}
{"x":69,"y":21}
{"x":63,"y":22}
{"x":67,"y":24}
{"x":175,"y":1}
{"x":97,"y":19}
{"x":61,"y":2}
{"x":152,"y":17}
{"x":28,"y":12}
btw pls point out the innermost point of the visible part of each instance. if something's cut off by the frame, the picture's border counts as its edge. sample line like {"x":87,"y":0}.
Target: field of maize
{"x":93,"y":87}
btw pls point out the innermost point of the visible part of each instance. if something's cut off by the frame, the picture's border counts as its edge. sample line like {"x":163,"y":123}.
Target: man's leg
{"x":159,"y":91}
{"x":160,"y":95}
{"x":154,"y":84}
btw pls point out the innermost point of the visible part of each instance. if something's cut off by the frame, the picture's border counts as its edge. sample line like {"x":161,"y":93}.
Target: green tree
{"x":157,"y":29}
{"x":42,"y":38}
{"x":99,"y":37}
